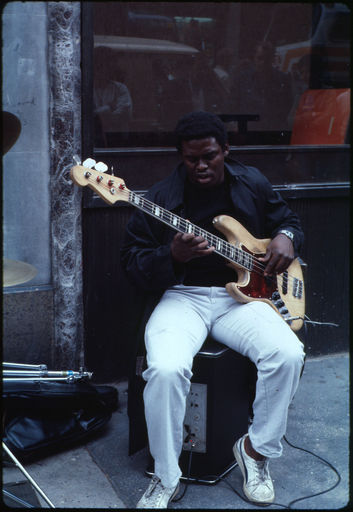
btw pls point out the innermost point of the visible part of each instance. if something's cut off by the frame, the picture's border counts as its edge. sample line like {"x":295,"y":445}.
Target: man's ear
{"x":226,"y":149}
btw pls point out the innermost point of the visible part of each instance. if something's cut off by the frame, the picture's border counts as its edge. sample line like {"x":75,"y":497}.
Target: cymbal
{"x":11,"y":129}
{"x":17,"y":272}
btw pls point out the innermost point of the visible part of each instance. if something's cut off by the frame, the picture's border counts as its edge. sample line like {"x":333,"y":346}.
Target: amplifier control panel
{"x":196,"y":418}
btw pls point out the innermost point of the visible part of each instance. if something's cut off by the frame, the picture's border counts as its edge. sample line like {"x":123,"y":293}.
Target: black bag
{"x":41,"y":417}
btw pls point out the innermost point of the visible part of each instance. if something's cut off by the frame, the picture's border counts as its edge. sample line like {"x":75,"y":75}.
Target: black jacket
{"x":147,"y":260}
{"x":146,"y":255}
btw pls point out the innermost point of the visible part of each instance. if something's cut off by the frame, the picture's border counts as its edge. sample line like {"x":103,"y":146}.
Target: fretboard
{"x":222,"y":247}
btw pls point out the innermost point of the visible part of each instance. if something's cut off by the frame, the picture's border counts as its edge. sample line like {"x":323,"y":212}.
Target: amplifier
{"x":217,"y":411}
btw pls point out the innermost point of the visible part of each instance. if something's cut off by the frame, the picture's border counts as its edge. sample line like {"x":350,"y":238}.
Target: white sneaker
{"x":156,"y":495}
{"x":258,"y":486}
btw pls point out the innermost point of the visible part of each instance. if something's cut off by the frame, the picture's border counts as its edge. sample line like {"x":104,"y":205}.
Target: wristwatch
{"x":289,"y":234}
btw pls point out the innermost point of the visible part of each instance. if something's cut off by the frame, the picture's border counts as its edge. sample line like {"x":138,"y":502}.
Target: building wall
{"x":41,"y":210}
{"x":28,"y":308}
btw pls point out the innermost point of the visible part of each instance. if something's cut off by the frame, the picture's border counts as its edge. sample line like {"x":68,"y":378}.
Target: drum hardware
{"x":14,"y":372}
{"x":25,"y":366}
{"x":11,"y":129}
{"x":17,"y":272}
{"x":18,"y":372}
{"x":27,"y":475}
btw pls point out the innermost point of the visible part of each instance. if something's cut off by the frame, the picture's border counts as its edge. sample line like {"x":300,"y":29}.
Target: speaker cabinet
{"x":217,"y":411}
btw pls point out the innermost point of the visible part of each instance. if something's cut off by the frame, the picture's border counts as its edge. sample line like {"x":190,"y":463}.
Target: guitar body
{"x":283,"y":293}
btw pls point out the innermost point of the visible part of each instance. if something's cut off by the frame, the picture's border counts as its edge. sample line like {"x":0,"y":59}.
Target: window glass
{"x":271,"y":71}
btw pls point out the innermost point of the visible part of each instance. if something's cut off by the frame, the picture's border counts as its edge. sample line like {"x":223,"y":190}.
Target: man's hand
{"x":186,"y":246}
{"x":279,"y":255}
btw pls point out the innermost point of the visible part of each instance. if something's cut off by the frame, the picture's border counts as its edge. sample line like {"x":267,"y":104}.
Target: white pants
{"x":175,"y":333}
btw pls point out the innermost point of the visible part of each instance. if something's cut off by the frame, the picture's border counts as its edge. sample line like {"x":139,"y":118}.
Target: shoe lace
{"x":260,"y":472}
{"x":155,"y":490}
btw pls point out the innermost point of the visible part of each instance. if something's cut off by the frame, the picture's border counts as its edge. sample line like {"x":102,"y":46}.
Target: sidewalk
{"x":101,"y":475}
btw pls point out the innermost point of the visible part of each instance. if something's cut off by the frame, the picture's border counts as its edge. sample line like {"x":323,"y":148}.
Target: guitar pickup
{"x":285,"y":282}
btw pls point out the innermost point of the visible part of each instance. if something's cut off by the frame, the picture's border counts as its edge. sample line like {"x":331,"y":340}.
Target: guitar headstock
{"x":110,"y":188}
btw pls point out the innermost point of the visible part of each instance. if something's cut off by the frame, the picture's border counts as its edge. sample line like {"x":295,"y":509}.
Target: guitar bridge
{"x":297,"y":288}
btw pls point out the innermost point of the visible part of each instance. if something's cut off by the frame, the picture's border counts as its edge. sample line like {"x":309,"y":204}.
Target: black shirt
{"x":201,"y":206}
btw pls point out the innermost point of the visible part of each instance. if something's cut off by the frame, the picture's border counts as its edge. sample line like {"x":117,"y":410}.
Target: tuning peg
{"x":76,"y":159}
{"x":89,"y":163}
{"x":101,"y":167}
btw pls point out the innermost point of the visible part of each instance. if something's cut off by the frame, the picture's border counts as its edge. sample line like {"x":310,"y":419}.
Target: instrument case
{"x":43,"y":417}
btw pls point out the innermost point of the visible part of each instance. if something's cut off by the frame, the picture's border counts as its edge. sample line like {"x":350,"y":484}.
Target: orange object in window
{"x":322,"y":117}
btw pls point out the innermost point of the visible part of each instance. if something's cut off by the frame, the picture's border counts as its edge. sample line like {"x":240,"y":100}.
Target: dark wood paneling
{"x":108,"y":299}
{"x":326,"y":251}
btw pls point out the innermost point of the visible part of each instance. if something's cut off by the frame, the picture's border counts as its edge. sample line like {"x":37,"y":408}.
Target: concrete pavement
{"x":101,"y":474}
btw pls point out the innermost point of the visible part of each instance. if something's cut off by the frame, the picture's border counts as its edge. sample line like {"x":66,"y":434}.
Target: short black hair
{"x":199,"y":125}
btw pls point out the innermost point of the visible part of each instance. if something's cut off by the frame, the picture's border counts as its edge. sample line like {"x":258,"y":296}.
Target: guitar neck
{"x":222,"y":247}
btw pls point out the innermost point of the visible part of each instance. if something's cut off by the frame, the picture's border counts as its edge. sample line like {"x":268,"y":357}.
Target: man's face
{"x":204,"y":161}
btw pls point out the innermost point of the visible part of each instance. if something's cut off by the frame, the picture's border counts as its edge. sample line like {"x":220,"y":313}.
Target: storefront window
{"x":276,"y":73}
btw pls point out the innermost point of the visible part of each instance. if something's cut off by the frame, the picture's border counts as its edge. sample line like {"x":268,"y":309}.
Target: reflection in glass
{"x":250,"y":63}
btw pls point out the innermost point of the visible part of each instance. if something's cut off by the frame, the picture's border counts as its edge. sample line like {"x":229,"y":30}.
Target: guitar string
{"x":221,"y":246}
{"x":184,"y":224}
{"x":258,"y":267}
{"x":224,"y":247}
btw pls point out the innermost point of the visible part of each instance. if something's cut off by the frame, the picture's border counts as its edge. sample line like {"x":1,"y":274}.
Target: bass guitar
{"x":283,"y":292}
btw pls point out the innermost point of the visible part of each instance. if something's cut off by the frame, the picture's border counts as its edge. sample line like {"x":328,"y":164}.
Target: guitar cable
{"x":179,"y":498}
{"x":324,"y":461}
{"x":290,"y":504}
{"x":311,"y":322}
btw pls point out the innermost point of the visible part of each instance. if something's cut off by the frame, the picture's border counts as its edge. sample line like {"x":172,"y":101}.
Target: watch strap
{"x":287,"y":233}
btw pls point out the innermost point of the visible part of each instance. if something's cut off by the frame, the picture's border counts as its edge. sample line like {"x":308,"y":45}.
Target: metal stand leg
{"x":17,"y":499}
{"x":27,"y":475}
{"x":18,"y":372}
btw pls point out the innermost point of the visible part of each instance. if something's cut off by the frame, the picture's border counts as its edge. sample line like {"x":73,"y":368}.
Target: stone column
{"x":64,"y":57}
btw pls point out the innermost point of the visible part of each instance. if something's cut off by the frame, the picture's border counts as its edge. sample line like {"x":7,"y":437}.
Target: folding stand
{"x":29,"y":478}
{"x":14,"y":372}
